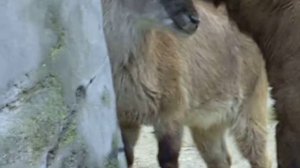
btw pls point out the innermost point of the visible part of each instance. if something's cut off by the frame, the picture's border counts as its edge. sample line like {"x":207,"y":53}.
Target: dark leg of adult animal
{"x":169,"y":137}
{"x":287,"y":107}
{"x":130,"y":133}
{"x":211,"y":144}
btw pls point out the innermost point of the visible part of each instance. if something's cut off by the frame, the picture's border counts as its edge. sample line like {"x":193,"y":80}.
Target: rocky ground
{"x":146,"y":149}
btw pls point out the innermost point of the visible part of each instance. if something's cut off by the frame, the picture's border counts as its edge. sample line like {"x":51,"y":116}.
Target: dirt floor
{"x":146,"y":150}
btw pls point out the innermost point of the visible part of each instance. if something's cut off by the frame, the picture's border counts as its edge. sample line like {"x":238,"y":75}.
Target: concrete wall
{"x":57,"y":105}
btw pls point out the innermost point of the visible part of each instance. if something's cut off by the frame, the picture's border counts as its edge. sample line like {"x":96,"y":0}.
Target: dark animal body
{"x":212,"y":81}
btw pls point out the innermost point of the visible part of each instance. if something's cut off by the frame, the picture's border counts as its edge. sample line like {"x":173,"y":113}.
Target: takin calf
{"x":275,"y":26}
{"x":211,"y":81}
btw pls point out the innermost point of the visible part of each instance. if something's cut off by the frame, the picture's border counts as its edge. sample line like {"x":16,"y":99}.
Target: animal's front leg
{"x":211,"y":144}
{"x":168,"y":135}
{"x":130,"y":134}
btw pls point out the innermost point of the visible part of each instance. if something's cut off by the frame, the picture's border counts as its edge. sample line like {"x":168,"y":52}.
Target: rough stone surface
{"x":57,"y":105}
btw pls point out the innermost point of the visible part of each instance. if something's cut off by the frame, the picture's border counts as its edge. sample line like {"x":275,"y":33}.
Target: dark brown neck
{"x":261,"y":19}
{"x":274,"y":25}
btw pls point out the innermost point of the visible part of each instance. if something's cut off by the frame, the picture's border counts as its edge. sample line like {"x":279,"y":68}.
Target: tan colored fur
{"x":275,"y":26}
{"x":211,"y":81}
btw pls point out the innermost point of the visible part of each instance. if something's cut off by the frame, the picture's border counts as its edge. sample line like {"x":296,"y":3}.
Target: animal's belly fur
{"x":139,"y":103}
{"x":213,"y":113}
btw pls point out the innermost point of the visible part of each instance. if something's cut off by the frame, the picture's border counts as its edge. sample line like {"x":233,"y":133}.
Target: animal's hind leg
{"x":211,"y":144}
{"x":250,"y":131}
{"x":168,"y":135}
{"x":130,"y":133}
{"x":251,"y":137}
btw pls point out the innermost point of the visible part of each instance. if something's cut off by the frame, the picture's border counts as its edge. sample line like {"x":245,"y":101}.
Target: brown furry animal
{"x":275,"y":26}
{"x":211,"y":81}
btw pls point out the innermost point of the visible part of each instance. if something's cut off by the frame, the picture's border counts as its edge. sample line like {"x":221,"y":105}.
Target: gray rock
{"x":57,"y":105}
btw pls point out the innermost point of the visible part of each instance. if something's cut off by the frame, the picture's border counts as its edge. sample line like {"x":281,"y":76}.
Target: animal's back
{"x":206,"y":75}
{"x":216,"y":68}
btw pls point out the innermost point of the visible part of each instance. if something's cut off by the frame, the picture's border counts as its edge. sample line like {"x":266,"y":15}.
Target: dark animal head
{"x":216,"y":2}
{"x":183,"y":14}
{"x":229,"y":3}
{"x":178,"y":15}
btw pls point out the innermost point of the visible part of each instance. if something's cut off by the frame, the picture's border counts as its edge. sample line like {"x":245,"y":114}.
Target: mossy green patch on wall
{"x":54,"y":24}
{"x":106,"y":98}
{"x":46,"y":112}
{"x":113,"y":160}
{"x":41,"y":115}
{"x":58,"y":47}
{"x":71,"y":134}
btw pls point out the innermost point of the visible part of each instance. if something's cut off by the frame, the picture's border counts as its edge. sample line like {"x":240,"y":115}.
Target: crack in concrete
{"x":21,"y":96}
